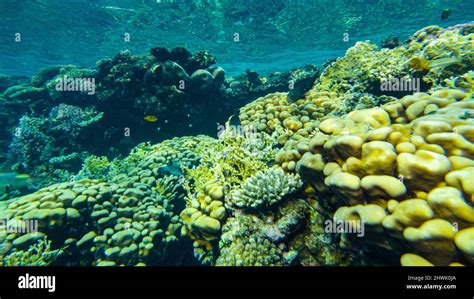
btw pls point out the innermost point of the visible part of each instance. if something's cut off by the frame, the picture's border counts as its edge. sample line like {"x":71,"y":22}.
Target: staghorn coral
{"x":464,"y":82}
{"x":265,"y":189}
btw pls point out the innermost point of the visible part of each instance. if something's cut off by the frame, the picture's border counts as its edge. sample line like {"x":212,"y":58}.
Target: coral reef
{"x":203,"y":218}
{"x":225,"y":164}
{"x":401,"y":169}
{"x":273,"y":113}
{"x":133,"y":219}
{"x":57,"y":142}
{"x":341,"y":174}
{"x":242,"y":245}
{"x":70,"y":112}
{"x":251,"y":85}
{"x":448,"y":50}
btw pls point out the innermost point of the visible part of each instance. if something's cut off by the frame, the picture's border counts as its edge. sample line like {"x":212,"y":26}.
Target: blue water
{"x":274,"y":35}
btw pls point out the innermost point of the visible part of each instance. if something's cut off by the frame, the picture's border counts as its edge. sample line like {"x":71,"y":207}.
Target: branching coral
{"x":228,"y":162}
{"x":38,"y":141}
{"x":68,"y":120}
{"x":265,"y":189}
{"x":39,"y":254}
{"x":31,"y":144}
{"x":224,"y":165}
{"x":450,"y":52}
{"x":362,"y":68}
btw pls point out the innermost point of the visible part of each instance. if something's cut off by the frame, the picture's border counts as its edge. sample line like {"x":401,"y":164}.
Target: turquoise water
{"x":274,"y":34}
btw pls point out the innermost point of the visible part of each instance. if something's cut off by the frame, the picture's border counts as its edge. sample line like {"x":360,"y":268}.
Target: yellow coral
{"x":414,"y":162}
{"x":424,"y":169}
{"x":465,"y":243}
{"x":435,"y":238}
{"x":413,"y":260}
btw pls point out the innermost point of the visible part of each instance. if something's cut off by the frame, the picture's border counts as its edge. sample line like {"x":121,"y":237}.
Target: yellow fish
{"x":23,"y":176}
{"x":150,"y":118}
{"x":419,"y":64}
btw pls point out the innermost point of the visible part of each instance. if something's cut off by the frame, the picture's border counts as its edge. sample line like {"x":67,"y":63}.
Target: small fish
{"x":150,"y":118}
{"x":300,"y":88}
{"x":446,"y":13}
{"x":419,"y":64}
{"x":422,"y":64}
{"x":10,"y":181}
{"x":172,"y":169}
{"x":118,"y":8}
{"x":23,"y":176}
